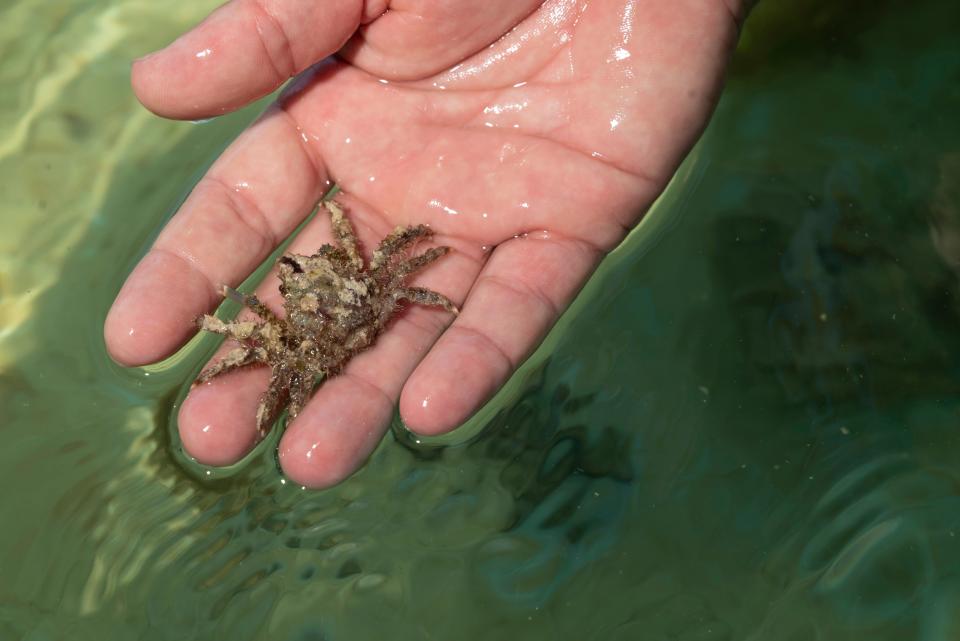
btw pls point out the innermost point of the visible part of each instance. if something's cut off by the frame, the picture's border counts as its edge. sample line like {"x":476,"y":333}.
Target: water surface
{"x":745,"y":428}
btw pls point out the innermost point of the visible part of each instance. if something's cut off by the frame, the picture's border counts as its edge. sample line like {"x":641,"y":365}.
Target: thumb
{"x":241,"y":52}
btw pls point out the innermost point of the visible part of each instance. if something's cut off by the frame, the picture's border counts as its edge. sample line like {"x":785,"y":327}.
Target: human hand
{"x":530,"y":154}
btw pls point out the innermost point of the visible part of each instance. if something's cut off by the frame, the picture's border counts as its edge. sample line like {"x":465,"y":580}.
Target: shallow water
{"x":745,"y":428}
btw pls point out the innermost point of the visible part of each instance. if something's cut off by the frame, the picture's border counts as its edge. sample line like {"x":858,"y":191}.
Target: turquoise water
{"x":745,"y":428}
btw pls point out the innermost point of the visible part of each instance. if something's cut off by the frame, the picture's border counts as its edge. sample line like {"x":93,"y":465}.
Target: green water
{"x":747,"y":427}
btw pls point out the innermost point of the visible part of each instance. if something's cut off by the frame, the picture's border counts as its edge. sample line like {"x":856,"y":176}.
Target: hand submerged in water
{"x":530,"y":135}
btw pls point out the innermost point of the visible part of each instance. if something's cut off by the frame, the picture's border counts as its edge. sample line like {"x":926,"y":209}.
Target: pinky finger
{"x":527,"y":283}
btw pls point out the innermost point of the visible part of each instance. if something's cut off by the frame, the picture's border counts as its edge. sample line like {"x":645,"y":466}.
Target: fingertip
{"x":174,"y":83}
{"x":433,"y":402}
{"x":216,"y":421}
{"x":135,"y":337}
{"x":120,"y":337}
{"x":308,"y":460}
{"x":195,"y":76}
{"x":334,"y":434}
{"x":145,"y":82}
{"x":417,"y":409}
{"x":146,"y":323}
{"x":433,"y":407}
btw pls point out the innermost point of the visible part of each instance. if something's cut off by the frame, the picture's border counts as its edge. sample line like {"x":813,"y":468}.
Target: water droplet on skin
{"x":620,"y":54}
{"x":507,"y":151}
{"x":205,"y":428}
{"x":436,"y":204}
{"x":203,"y":53}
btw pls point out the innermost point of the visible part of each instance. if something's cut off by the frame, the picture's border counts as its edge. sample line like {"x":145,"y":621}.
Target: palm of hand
{"x":530,"y":159}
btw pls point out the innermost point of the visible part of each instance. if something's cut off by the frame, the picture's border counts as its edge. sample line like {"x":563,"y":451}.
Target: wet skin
{"x":530,"y":137}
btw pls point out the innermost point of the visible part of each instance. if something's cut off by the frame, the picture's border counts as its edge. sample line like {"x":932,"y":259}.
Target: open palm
{"x":531,"y":136}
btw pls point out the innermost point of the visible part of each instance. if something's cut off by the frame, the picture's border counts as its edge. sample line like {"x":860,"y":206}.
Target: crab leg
{"x":273,"y":400}
{"x":424,"y":296}
{"x":395,"y":242}
{"x":418,"y":262}
{"x":344,"y":232}
{"x":237,"y":330}
{"x":235,"y":359}
{"x":251,"y":301}
{"x":300,"y":389}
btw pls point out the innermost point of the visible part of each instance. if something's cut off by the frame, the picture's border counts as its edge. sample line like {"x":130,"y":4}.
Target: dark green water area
{"x":746,"y":428}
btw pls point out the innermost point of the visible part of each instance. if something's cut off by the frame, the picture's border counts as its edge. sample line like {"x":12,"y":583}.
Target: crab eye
{"x":292,"y":264}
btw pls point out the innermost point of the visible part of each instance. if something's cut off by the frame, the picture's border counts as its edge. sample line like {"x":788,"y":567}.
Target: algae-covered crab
{"x":335,"y":306}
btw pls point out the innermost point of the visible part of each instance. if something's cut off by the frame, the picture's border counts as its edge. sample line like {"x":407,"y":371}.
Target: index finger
{"x":253,"y":197}
{"x":241,"y":52}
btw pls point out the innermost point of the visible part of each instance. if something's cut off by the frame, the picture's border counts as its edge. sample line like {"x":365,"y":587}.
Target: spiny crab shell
{"x":334,"y":305}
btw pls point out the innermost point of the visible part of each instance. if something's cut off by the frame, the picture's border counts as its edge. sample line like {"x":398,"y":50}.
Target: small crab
{"x":335,"y":307}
